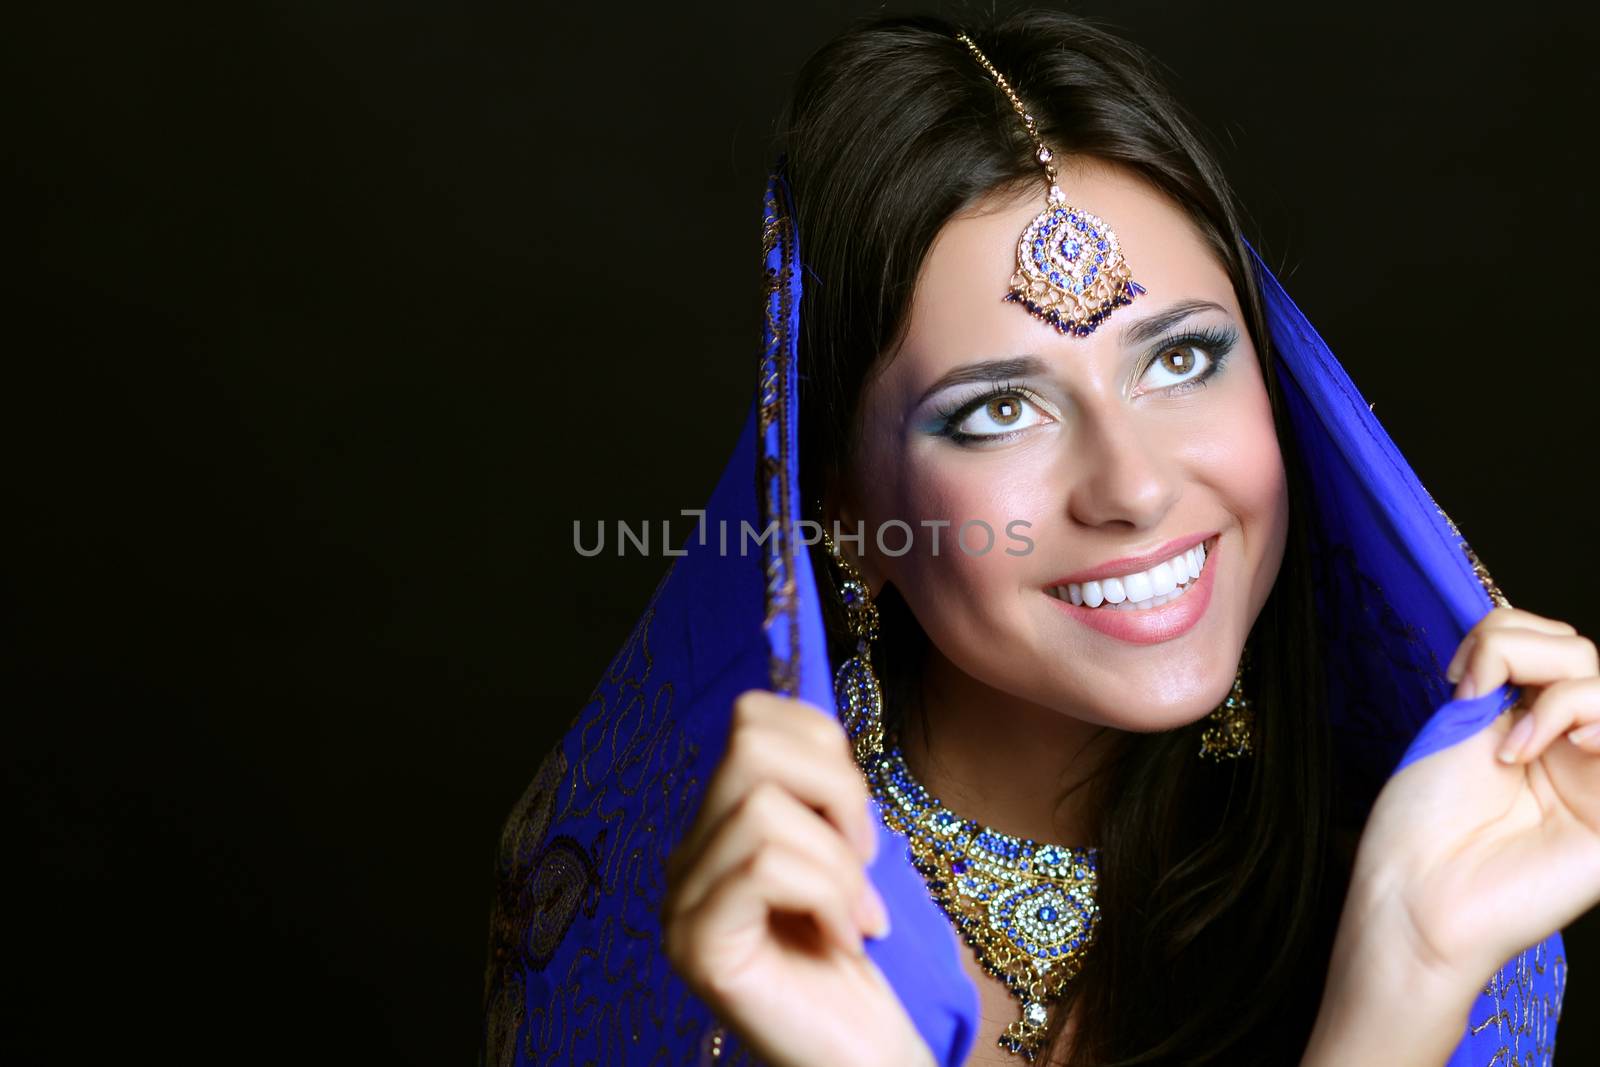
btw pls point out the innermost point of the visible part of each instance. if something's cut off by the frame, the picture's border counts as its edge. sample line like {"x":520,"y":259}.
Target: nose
{"x":1120,"y":475}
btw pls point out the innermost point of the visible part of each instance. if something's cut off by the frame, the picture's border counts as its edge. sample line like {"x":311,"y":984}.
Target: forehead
{"x":957,"y":307}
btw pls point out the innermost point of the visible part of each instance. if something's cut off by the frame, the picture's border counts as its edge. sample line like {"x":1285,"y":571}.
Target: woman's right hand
{"x":767,"y":897}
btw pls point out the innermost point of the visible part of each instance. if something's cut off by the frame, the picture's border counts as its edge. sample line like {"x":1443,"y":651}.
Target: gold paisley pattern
{"x":533,"y":904}
{"x":605,"y":873}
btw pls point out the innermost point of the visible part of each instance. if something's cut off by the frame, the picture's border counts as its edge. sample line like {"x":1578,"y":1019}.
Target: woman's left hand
{"x":1487,"y":847}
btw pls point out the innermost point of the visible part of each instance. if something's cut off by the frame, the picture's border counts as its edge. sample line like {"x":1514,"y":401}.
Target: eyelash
{"x":956,"y":414}
{"x":1216,"y":341}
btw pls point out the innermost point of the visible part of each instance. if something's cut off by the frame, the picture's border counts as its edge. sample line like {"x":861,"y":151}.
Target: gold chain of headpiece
{"x":1042,"y":152}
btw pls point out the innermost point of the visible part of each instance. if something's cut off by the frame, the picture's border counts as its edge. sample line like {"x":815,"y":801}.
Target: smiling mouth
{"x":1140,"y":590}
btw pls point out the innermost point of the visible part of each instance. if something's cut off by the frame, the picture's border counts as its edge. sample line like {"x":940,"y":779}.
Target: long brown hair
{"x":1219,"y":889}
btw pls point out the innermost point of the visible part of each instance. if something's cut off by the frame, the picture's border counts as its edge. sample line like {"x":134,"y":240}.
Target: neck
{"x":1011,"y":765}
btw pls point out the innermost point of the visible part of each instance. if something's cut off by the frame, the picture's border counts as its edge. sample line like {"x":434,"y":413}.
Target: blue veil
{"x":576,"y":974}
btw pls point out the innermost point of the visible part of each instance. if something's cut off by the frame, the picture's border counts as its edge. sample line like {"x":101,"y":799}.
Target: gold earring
{"x":1227,"y":733}
{"x":855,"y":686}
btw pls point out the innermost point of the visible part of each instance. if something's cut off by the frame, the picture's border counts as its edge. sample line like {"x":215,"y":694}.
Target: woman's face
{"x":1109,"y":453}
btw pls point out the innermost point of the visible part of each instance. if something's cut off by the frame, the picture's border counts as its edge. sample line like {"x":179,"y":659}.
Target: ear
{"x":841,"y":519}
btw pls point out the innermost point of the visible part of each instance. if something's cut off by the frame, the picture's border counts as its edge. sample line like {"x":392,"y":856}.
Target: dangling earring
{"x":855,"y":686}
{"x":1227,"y":732}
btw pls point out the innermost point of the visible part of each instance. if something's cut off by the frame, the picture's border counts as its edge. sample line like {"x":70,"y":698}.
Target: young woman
{"x":1144,"y":639}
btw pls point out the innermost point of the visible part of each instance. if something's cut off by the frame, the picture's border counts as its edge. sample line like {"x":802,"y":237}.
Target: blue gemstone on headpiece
{"x":1055,"y":277}
{"x":1102,"y":246}
{"x":1135,"y":288}
{"x":1099,"y":258}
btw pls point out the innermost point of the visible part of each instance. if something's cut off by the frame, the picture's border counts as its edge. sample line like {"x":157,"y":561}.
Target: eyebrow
{"x":989,"y":370}
{"x":1154,"y":326}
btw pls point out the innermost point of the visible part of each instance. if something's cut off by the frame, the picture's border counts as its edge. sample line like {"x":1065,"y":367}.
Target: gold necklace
{"x":1026,"y":908}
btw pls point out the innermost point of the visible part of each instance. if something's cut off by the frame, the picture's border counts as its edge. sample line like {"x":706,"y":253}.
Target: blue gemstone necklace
{"x":1026,"y":908}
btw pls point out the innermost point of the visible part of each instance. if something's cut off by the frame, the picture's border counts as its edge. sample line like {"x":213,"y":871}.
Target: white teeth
{"x":1163,"y":579}
{"x":1164,"y":582}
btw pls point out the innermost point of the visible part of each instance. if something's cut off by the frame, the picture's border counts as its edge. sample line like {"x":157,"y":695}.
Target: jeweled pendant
{"x":1070,"y":271}
{"x":1026,"y":908}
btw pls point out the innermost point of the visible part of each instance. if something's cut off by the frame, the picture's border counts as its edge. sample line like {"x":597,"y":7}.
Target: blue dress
{"x":576,"y":974}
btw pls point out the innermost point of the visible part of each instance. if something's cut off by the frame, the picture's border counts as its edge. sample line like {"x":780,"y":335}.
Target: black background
{"x":323,"y":346}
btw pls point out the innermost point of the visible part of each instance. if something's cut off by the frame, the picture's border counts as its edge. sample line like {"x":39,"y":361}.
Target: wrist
{"x":918,"y":1054}
{"x":1386,"y":993}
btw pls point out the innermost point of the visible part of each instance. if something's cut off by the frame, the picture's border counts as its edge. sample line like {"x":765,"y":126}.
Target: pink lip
{"x":1149,"y":626}
{"x":1116,"y":568}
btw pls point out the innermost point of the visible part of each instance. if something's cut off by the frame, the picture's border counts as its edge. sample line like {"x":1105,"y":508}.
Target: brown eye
{"x":997,"y":417}
{"x":1004,"y":410}
{"x":1178,"y":361}
{"x":1179,"y":365}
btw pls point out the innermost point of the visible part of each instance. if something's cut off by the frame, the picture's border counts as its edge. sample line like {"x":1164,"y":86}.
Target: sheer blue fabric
{"x":576,"y":972}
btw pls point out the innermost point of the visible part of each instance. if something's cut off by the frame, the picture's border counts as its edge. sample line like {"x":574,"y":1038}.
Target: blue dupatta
{"x":576,"y":973}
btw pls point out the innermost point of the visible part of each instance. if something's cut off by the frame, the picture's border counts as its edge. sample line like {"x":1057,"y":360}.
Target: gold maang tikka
{"x":1070,"y":271}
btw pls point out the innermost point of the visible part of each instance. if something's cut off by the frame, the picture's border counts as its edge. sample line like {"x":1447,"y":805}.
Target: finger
{"x":773,"y":879}
{"x":1563,"y":707}
{"x":1525,"y":657}
{"x":1502,"y":618}
{"x":769,"y":813}
{"x":797,"y":746}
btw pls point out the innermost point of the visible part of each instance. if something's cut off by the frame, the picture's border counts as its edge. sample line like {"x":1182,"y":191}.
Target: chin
{"x":1151,"y":704}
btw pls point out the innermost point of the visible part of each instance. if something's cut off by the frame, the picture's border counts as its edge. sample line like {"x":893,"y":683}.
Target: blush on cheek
{"x":979,"y":497}
{"x":963,"y":597}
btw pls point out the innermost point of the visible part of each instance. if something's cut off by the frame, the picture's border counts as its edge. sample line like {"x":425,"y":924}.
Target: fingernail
{"x":1468,"y":689}
{"x":1584,"y":734}
{"x":876,"y":913}
{"x":869,"y":835}
{"x":1516,"y":740}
